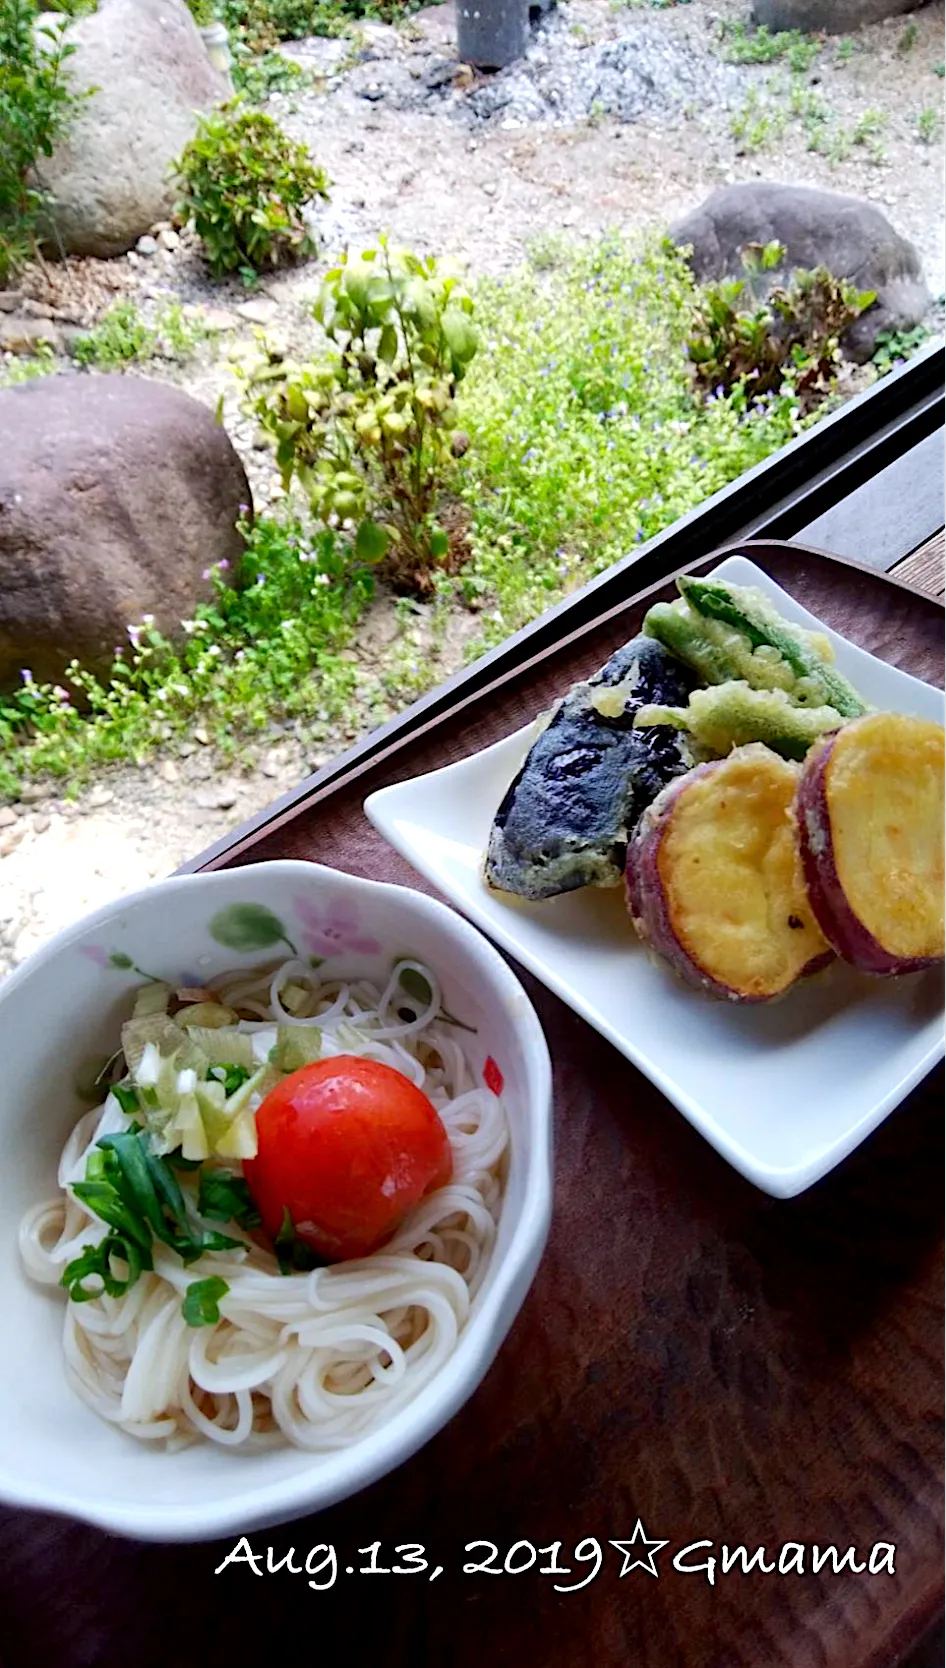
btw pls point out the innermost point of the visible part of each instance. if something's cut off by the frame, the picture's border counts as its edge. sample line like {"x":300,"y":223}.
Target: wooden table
{"x":924,"y":568}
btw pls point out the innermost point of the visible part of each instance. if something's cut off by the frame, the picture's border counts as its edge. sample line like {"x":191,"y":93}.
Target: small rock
{"x":9,"y":300}
{"x":489,"y":187}
{"x":201,"y":735}
{"x":10,"y":839}
{"x":32,"y":793}
{"x":22,"y":335}
{"x":7,"y":817}
{"x":217,"y":319}
{"x":261,"y":310}
{"x":185,"y":749}
{"x":219,"y":796}
{"x":270,"y":766}
{"x":147,"y":245}
{"x":439,"y":72}
{"x":373,"y":92}
{"x":168,"y":771}
{"x":40,"y":824}
{"x":169,"y":238}
{"x":100,"y":797}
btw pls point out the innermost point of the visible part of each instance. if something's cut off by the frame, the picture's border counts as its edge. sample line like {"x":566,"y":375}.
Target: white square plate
{"x":783,"y":1092}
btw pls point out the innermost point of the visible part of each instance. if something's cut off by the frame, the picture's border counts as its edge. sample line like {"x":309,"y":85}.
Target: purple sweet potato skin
{"x":847,"y":935}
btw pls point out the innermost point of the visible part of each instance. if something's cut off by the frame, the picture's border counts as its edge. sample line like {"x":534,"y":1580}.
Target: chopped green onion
{"x":95,"y":1261}
{"x":201,"y":1305}
{"x":225,"y":1197}
{"x":127,"y":1096}
{"x":230,"y":1076}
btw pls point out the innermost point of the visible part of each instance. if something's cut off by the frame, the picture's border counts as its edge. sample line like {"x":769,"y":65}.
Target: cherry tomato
{"x":348,"y":1146}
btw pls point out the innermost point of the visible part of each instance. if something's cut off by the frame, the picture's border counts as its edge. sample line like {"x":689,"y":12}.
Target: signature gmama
{"x":791,"y":1558}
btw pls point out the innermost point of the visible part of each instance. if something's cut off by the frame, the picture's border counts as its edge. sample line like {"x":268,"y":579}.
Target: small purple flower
{"x":207,"y":573}
{"x":96,"y":953}
{"x":329,"y":931}
{"x":26,"y":675}
{"x":134,"y":636}
{"x":223,"y":564}
{"x":244,"y":509}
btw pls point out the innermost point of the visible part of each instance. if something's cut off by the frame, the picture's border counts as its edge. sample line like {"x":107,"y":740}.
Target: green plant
{"x":257,"y":75}
{"x":793,"y":335}
{"x":940,"y":70}
{"x":36,"y":105}
{"x":845,"y":50}
{"x":270,"y":646}
{"x":203,"y":12}
{"x":928,"y":126}
{"x":244,"y":184}
{"x":261,"y":24}
{"x":758,"y":46}
{"x":894,"y":346}
{"x":907,"y":40}
{"x":756,"y":124}
{"x":369,"y":432}
{"x":39,"y":363}
{"x":122,"y":336}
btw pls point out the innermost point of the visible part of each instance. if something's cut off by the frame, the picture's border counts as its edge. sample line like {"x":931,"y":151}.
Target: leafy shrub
{"x":584,"y":436}
{"x":203,"y":12}
{"x":35,"y":106}
{"x":369,"y":432}
{"x":122,"y":337}
{"x":264,"y":23}
{"x":741,"y":342}
{"x":271,"y":645}
{"x":244,"y":184}
{"x":256,"y":75}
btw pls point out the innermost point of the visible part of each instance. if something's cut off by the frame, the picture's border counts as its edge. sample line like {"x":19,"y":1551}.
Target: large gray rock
{"x":116,"y":494}
{"x":817,"y":228}
{"x":151,"y":79}
{"x":838,"y":17}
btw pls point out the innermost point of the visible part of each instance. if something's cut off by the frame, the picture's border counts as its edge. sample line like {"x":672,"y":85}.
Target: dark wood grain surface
{"x":729,"y":1368}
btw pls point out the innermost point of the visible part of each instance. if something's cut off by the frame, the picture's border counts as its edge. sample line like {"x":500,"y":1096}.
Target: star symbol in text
{"x":644,"y":1556}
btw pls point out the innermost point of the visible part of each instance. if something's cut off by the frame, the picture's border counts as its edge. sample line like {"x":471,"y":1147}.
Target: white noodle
{"x":314,"y":1359}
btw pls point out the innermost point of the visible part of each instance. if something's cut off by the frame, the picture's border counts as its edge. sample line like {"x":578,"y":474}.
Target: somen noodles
{"x":314,"y":1358}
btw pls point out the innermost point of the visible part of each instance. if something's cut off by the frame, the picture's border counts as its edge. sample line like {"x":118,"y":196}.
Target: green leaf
{"x":247,"y":927}
{"x":460,"y":334}
{"x":201,"y":1305}
{"x":439,"y":543}
{"x":127,"y":1096}
{"x":371,"y":542}
{"x":387,"y":346}
{"x":118,"y":958}
{"x":225,"y":1197}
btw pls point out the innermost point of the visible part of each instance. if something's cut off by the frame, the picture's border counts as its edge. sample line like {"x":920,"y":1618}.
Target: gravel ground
{"x":620,"y":117}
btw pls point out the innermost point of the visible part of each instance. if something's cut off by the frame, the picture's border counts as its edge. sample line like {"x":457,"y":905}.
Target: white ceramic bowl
{"x":65,"y":1004}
